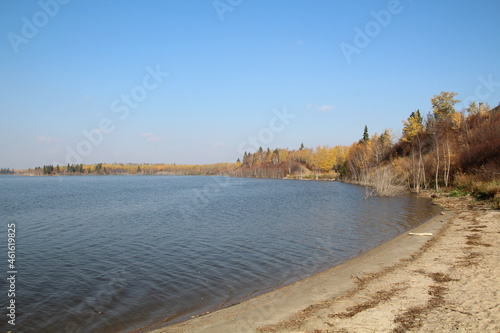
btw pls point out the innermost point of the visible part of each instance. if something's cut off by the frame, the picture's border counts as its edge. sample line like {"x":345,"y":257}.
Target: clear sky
{"x":189,"y":82}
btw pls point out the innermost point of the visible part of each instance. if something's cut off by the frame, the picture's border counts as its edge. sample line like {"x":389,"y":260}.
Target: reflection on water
{"x":116,"y":253}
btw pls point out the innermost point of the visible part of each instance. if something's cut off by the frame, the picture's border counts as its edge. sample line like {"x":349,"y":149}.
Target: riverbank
{"x":448,"y":281}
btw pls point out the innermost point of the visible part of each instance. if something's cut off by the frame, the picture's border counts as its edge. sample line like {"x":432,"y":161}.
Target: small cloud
{"x":53,"y":151}
{"x":321,"y":108}
{"x":45,"y":139}
{"x":324,"y":108}
{"x":150,"y":137}
{"x":219,"y":144}
{"x":300,"y":42}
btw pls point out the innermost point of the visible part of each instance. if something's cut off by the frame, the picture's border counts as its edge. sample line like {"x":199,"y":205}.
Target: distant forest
{"x":442,"y":149}
{"x":131,"y":169}
{"x":6,"y":171}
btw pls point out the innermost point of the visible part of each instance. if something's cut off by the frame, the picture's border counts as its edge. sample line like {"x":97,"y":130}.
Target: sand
{"x":442,"y":276}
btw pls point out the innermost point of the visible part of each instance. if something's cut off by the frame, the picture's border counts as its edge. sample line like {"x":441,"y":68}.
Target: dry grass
{"x":379,"y":297}
{"x":482,"y":186}
{"x":475,"y":240}
{"x":412,"y":318}
{"x":441,"y":277}
{"x":297,"y":320}
{"x":383,"y":181}
{"x":470,"y":259}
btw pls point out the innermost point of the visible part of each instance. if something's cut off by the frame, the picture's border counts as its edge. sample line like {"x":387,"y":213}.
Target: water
{"x":119,"y":253}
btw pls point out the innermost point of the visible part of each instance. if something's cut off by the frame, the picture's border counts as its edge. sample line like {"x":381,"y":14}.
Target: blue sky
{"x":189,"y":82}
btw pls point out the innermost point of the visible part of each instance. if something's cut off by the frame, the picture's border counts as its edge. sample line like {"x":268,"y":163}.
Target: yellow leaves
{"x":325,"y":158}
{"x":283,"y":154}
{"x":412,"y":127}
{"x":146,"y":168}
{"x":443,"y":104}
{"x":456,"y":119}
{"x":473,"y":108}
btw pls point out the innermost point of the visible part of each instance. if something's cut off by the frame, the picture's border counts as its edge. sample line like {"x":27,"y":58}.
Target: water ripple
{"x":102,"y":254}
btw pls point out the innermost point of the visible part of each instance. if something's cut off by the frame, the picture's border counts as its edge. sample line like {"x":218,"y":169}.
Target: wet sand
{"x":448,"y":281}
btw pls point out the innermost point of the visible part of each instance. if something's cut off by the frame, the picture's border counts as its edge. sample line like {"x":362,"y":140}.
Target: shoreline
{"x":280,"y":309}
{"x":449,"y":281}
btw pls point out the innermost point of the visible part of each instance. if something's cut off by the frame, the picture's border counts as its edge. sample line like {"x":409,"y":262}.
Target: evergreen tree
{"x":6,"y":171}
{"x":366,"y":136}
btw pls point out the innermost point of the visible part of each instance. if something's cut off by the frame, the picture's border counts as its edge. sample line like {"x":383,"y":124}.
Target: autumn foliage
{"x":449,"y":148}
{"x":445,"y":148}
{"x":321,"y":162}
{"x":134,"y":169}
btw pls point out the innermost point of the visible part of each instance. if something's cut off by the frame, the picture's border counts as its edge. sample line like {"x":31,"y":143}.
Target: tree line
{"x":443,"y":148}
{"x":6,"y":171}
{"x":132,"y":169}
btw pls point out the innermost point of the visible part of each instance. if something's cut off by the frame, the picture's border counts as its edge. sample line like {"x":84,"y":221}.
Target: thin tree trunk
{"x":448,"y":167}
{"x":437,"y":166}
{"x":421,"y":162}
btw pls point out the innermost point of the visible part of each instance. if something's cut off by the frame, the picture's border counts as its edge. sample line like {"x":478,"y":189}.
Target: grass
{"x":457,"y":194}
{"x":480,"y":186}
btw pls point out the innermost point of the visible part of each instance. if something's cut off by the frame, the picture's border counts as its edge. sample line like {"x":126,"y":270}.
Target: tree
{"x":366,"y":137}
{"x":48,"y":169}
{"x":472,"y":109}
{"x":276,"y":156}
{"x":413,"y":126}
{"x":412,"y":133}
{"x":486,"y":108}
{"x":443,"y":104}
{"x":381,"y":145}
{"x":301,"y":146}
{"x":260,"y":155}
{"x":7,"y":171}
{"x":324,"y":159}
{"x":98,"y":168}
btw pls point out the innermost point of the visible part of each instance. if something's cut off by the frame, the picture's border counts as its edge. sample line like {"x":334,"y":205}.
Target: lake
{"x":120,"y":253}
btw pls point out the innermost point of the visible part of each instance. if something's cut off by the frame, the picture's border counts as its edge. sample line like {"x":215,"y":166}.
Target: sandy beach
{"x":442,"y":276}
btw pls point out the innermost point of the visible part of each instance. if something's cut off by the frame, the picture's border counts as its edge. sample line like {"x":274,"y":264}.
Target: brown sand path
{"x":447,"y":282}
